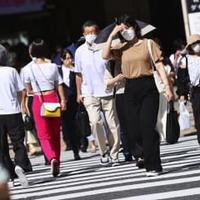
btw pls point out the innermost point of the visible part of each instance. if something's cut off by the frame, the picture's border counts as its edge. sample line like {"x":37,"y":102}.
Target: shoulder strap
{"x":150,"y":53}
{"x":40,"y":96}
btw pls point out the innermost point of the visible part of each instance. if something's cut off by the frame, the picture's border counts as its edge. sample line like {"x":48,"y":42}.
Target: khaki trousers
{"x":94,"y":106}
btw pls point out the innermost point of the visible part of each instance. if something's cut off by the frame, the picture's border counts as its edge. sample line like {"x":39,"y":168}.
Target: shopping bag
{"x":184,"y":116}
{"x":50,"y":109}
{"x":172,"y":127}
{"x":82,"y":120}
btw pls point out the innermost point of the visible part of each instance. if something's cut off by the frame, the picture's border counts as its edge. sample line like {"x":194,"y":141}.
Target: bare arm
{"x":22,"y":100}
{"x":168,"y":84}
{"x":63,"y":101}
{"x":106,"y":54}
{"x":110,"y":83}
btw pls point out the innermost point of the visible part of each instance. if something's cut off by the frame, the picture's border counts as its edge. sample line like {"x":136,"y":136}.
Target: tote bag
{"x":172,"y":127}
{"x":82,"y":121}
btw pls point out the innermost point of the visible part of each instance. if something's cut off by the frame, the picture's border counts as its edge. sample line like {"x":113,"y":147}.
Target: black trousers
{"x":14,"y":127}
{"x":69,"y":129}
{"x":195,"y":100}
{"x":142,"y":103}
{"x":119,"y":100}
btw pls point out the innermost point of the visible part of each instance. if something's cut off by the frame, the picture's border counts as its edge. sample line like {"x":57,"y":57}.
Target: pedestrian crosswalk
{"x":86,"y":179}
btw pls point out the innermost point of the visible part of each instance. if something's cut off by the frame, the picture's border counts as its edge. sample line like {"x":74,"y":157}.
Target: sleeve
{"x":156,"y":52}
{"x":77,"y":67}
{"x":107,"y":76}
{"x":18,"y":83}
{"x":22,"y":76}
{"x":26,"y":77}
{"x":183,"y":82}
{"x":58,"y":76}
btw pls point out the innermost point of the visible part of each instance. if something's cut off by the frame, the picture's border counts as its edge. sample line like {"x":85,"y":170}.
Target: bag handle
{"x":40,"y":93}
{"x":170,"y":106}
{"x":150,"y":53}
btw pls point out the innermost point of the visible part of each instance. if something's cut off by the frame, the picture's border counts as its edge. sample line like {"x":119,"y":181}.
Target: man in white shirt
{"x":90,"y":69}
{"x":11,"y":122}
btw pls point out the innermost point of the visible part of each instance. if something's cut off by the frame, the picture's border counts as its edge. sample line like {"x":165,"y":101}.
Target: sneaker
{"x":153,"y":173}
{"x":140,"y":163}
{"x":54,"y":168}
{"x":22,"y":177}
{"x":115,"y":162}
{"x":104,"y":160}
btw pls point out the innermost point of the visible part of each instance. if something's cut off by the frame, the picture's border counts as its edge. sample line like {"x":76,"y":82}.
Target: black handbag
{"x":28,"y":123}
{"x":82,"y":120}
{"x":172,"y":127}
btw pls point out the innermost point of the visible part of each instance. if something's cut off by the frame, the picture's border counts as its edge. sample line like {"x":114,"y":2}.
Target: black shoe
{"x":46,"y":162}
{"x":128,"y":158}
{"x":140,"y":163}
{"x":77,"y":157}
{"x":83,"y":149}
{"x":55,"y":170}
{"x":68,"y":148}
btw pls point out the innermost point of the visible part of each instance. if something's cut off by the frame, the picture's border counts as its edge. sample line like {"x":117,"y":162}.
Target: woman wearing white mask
{"x":190,"y":72}
{"x":141,"y":94}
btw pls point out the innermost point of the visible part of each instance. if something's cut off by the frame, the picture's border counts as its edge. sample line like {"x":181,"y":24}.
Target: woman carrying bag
{"x":141,"y":93}
{"x":42,"y":78}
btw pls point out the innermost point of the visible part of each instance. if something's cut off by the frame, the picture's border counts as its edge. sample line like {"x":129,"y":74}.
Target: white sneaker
{"x":153,"y":173}
{"x":22,"y":177}
{"x":115,"y":162}
{"x":104,"y":160}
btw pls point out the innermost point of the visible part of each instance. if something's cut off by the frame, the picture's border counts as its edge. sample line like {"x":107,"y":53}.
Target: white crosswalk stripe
{"x":85,"y":179}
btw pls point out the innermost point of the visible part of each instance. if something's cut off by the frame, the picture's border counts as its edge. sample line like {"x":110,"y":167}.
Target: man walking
{"x":90,"y":69}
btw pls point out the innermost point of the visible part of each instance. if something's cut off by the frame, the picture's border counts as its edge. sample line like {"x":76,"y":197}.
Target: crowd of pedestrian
{"x":114,"y":83}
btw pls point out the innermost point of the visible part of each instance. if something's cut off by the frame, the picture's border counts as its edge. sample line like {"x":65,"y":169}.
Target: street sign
{"x":191,"y":15}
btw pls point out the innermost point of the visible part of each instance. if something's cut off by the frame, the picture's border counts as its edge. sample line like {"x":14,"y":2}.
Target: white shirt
{"x":42,"y":76}
{"x":66,"y":72}
{"x":10,"y":84}
{"x":194,"y":69}
{"x":92,"y":67}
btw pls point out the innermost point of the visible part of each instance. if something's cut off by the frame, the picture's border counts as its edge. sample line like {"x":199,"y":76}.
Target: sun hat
{"x":193,"y":39}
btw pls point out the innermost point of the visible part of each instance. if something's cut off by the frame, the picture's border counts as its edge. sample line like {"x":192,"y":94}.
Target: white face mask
{"x":128,"y":34}
{"x":90,"y":38}
{"x":196,"y":47}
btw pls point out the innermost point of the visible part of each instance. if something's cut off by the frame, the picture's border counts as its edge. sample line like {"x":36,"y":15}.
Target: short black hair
{"x":64,"y":52}
{"x":90,"y":23}
{"x":38,"y":49}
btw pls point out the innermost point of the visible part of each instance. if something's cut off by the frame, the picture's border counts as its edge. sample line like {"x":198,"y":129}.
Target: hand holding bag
{"x":172,"y":127}
{"x":184,"y":116}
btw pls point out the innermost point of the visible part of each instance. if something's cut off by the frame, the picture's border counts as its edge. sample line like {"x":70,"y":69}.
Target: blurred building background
{"x":59,"y":21}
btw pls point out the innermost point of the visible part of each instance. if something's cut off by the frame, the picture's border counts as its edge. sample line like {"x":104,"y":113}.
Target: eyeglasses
{"x":68,"y":58}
